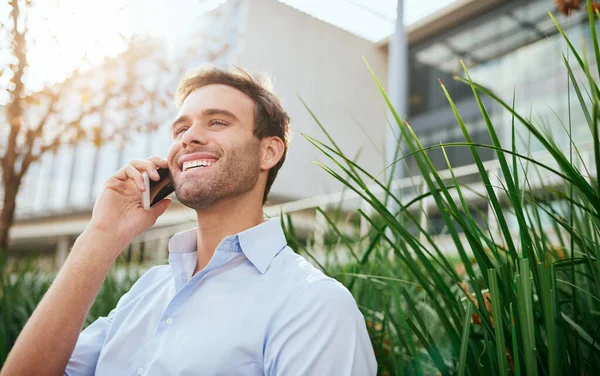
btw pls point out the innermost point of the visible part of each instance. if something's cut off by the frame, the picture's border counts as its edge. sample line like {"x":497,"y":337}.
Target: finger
{"x":159,"y":161}
{"x":139,"y":165}
{"x":114,"y":183}
{"x":136,"y":176}
{"x":121,"y":174}
{"x":160,"y":207}
{"x":148,"y":166}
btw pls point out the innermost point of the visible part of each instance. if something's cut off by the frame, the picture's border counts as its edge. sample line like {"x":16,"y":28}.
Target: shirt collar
{"x":260,"y":244}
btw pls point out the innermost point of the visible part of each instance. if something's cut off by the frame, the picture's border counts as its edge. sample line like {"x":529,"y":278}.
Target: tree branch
{"x":56,"y":141}
{"x":109,"y":94}
{"x":36,"y":132}
{"x":54,"y":97}
{"x":14,"y":108}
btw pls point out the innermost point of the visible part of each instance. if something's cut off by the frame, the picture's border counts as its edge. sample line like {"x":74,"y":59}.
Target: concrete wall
{"x":323,"y":65}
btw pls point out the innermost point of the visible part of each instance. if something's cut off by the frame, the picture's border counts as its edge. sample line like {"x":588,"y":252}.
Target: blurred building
{"x":512,"y":48}
{"x":505,"y":44}
{"x":308,"y":59}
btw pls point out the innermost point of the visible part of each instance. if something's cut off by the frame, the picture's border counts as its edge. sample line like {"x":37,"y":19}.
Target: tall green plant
{"x":22,"y":287}
{"x":522,"y":300}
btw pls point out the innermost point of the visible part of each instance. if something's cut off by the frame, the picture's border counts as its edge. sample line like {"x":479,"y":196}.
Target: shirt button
{"x":140,"y":370}
{"x":169,"y":321}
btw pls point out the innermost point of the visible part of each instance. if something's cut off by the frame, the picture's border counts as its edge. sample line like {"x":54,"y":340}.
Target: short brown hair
{"x":269,"y":117}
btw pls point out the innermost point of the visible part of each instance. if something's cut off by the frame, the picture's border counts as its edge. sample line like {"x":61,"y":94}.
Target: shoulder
{"x":326,"y":296}
{"x":308,"y":286}
{"x":296,"y":271}
{"x":155,"y":273}
{"x":154,"y":277}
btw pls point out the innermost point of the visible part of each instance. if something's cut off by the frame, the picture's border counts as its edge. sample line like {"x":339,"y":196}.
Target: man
{"x":234,"y":299}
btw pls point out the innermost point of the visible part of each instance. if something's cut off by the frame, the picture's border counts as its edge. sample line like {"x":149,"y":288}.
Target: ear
{"x":271,"y":152}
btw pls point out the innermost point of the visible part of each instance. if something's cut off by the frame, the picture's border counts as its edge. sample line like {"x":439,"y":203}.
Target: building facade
{"x":307,"y":58}
{"x":509,"y":46}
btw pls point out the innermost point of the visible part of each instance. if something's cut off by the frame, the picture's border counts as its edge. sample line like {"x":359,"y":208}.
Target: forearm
{"x":49,"y":337}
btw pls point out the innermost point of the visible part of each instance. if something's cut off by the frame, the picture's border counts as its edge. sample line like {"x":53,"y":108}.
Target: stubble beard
{"x":237,"y":173}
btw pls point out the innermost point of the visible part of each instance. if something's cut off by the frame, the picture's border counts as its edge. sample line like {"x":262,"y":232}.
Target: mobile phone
{"x":156,"y":190}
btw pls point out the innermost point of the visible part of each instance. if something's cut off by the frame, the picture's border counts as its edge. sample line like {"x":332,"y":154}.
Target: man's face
{"x":214,"y":154}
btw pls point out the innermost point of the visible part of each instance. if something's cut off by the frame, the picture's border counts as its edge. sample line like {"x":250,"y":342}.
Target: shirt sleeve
{"x":89,"y":344}
{"x":87,"y":350}
{"x":322,"y":333}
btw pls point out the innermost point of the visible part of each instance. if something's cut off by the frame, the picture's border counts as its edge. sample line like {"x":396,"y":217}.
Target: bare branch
{"x":54,"y":98}
{"x":14,"y":108}
{"x":56,"y":141}
{"x":130,"y":57}
{"x":36,"y":132}
{"x":37,"y":96}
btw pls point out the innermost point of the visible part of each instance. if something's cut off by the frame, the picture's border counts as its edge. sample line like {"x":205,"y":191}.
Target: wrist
{"x":99,"y":242}
{"x":108,"y":235}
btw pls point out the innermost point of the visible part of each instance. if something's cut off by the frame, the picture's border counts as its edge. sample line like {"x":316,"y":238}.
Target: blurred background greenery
{"x":473,"y":249}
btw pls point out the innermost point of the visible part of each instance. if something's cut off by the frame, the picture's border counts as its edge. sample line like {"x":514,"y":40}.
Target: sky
{"x":64,"y":31}
{"x":371,"y":19}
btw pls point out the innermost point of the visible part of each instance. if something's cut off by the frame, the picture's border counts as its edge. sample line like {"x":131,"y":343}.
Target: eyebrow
{"x":181,"y":119}
{"x":219,"y":111}
{"x":206,"y":112}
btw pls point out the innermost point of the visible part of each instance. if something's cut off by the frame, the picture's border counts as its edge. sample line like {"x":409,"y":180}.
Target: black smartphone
{"x":158,"y":189}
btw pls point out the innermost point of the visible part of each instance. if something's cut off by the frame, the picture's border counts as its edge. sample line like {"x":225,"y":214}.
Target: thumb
{"x":158,"y":209}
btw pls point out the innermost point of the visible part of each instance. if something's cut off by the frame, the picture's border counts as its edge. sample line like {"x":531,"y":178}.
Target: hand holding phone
{"x":156,"y":190}
{"x":118,"y":209}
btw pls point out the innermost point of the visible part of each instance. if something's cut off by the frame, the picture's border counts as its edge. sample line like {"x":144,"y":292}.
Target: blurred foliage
{"x":519,"y":291}
{"x":23,"y":285}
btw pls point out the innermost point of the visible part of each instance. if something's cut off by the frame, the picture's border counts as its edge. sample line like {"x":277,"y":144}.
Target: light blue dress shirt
{"x":257,"y":308}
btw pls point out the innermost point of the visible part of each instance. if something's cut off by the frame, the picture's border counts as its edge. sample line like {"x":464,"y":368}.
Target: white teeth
{"x":197,"y":163}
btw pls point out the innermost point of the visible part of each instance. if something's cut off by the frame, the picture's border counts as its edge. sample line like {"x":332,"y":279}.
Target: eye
{"x":181,"y":129}
{"x":217,"y":122}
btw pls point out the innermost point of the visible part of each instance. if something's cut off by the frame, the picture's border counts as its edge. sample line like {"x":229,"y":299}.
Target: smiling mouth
{"x":197,"y":164}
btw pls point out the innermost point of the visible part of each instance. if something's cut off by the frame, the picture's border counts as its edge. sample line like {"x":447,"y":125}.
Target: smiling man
{"x":234,"y":299}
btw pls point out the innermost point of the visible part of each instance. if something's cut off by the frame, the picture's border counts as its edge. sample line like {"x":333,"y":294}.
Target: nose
{"x":195,"y":134}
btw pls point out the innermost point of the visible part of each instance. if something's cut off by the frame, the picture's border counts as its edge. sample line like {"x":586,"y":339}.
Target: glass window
{"x":136,"y":148}
{"x":513,"y":56}
{"x":82,"y":174}
{"x":63,"y":162}
{"x":559,"y":208}
{"x":534,"y":11}
{"x":106,"y":166}
{"x":451,"y":65}
{"x":546,"y":25}
{"x":434,"y":54}
{"x":482,"y":33}
{"x":437,"y":225}
{"x":27,"y":192}
{"x":43,"y":186}
{"x":160,"y":140}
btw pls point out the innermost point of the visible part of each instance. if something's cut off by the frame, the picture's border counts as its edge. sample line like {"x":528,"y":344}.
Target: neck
{"x":227,"y":217}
